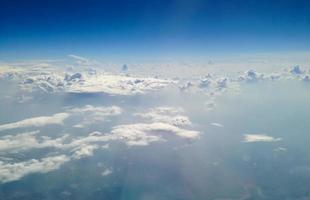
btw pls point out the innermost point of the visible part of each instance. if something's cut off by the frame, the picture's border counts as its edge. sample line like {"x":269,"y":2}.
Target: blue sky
{"x":36,"y":29}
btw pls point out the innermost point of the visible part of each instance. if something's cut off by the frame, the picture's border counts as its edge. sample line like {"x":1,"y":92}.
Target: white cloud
{"x":163,"y":120}
{"x":186,"y":86}
{"x":251,"y":76}
{"x":107,"y":172}
{"x":15,"y":171}
{"x":36,"y":121}
{"x":84,"y":151}
{"x":26,"y":141}
{"x":216,"y":124}
{"x":80,"y":148}
{"x":92,"y":114}
{"x":116,"y":85}
{"x":143,"y":134}
{"x":221,"y":82}
{"x":169,"y":115}
{"x":259,"y":138}
{"x":94,"y":137}
{"x":100,"y":110}
{"x":206,"y":81}
{"x":52,"y":79}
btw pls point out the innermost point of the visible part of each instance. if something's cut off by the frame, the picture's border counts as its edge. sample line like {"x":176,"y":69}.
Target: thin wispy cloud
{"x":56,"y":119}
{"x":259,"y":138}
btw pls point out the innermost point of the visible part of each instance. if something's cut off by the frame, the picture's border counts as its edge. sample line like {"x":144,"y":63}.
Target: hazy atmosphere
{"x":145,"y":100}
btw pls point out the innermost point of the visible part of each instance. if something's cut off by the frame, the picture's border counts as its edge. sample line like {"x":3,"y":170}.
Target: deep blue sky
{"x":31,"y":29}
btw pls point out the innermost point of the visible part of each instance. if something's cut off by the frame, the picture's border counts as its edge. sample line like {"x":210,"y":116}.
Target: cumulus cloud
{"x":84,"y":151}
{"x":143,"y":134}
{"x":15,"y":171}
{"x":169,"y":115}
{"x":251,"y":76}
{"x":206,"y":81}
{"x":100,"y":110}
{"x":296,"y":70}
{"x":117,"y":85}
{"x":36,"y":122}
{"x":76,"y":77}
{"x":213,"y":82}
{"x":186,"y":86}
{"x":221,"y":82}
{"x":259,"y":138}
{"x":163,"y":121}
{"x":51,"y":79}
{"x":28,"y":140}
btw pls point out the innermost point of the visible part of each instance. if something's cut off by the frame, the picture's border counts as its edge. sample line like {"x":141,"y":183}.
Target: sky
{"x":116,"y":29}
{"x":78,"y":121}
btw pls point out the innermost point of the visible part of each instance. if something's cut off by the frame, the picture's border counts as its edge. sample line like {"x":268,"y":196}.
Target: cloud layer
{"x":159,"y":124}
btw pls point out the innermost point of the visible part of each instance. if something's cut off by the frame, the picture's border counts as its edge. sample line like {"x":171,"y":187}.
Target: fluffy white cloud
{"x":206,"y":81}
{"x":97,"y":110}
{"x":36,"y":122}
{"x":84,"y":151}
{"x":51,"y":79}
{"x":169,"y":115}
{"x":116,"y":84}
{"x":29,"y":140}
{"x":221,"y":82}
{"x":15,"y":171}
{"x":251,"y":76}
{"x":259,"y":138}
{"x":213,"y":82}
{"x":143,"y":134}
{"x":80,"y":147}
{"x":95,"y":137}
